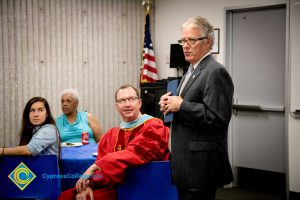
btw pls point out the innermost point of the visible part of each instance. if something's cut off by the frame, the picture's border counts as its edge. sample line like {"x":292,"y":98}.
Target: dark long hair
{"x":26,"y":131}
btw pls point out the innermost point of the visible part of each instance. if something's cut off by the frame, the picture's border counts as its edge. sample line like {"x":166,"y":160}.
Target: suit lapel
{"x":194,"y":76}
{"x":179,"y":86}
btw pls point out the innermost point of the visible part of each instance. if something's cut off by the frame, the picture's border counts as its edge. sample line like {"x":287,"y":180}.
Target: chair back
{"x":148,"y":182}
{"x":29,"y":177}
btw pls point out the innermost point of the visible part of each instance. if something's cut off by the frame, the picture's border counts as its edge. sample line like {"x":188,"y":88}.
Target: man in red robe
{"x":138,"y":140}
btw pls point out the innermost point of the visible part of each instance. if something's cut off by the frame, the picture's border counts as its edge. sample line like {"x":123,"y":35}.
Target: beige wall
{"x":49,"y":45}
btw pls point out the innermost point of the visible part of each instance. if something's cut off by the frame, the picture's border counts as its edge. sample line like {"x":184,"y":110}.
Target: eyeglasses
{"x":124,"y":100}
{"x":190,"y":41}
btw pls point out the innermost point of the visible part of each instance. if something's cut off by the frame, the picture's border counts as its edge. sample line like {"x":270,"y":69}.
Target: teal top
{"x":72,"y":132}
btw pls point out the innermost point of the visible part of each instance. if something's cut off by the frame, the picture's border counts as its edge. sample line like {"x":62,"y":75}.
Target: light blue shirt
{"x":140,"y":120}
{"x":44,"y":141}
{"x":72,"y":132}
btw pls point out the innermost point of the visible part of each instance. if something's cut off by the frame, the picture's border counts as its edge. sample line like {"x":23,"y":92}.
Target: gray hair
{"x":204,"y":25}
{"x":73,"y":92}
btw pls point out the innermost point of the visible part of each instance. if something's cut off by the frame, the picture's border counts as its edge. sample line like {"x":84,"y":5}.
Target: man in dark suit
{"x":202,"y":112}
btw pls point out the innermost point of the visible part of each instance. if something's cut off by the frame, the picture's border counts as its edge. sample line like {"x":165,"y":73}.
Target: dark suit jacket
{"x":199,"y":155}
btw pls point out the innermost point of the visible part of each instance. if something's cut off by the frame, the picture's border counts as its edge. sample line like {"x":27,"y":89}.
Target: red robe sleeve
{"x":149,"y":144}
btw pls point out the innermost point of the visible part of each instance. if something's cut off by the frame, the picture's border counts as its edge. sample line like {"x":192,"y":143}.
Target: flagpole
{"x":142,"y":46}
{"x":146,"y":5}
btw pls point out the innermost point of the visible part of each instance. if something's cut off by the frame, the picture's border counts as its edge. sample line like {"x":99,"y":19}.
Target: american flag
{"x":149,"y":71}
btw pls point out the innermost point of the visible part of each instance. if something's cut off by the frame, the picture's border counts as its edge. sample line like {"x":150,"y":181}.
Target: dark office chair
{"x":29,"y":177}
{"x":151,"y":181}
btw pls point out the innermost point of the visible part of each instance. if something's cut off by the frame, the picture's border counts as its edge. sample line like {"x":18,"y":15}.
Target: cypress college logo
{"x":22,"y":176}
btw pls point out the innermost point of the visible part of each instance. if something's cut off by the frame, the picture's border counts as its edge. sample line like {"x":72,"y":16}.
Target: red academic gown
{"x":122,"y":148}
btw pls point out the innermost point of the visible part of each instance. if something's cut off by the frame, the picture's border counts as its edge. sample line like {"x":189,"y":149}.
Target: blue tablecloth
{"x":74,"y":162}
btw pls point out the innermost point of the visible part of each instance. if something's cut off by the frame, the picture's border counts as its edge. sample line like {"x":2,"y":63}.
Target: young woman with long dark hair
{"x":38,"y":135}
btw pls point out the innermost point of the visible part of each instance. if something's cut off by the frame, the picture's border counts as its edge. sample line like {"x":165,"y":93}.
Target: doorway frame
{"x":228,"y":56}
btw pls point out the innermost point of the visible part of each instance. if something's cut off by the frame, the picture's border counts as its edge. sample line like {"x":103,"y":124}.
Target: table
{"x":74,"y":162}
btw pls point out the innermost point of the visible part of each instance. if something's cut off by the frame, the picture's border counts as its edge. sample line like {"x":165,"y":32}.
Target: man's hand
{"x":88,"y":192}
{"x":84,"y":182}
{"x":170,"y":103}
